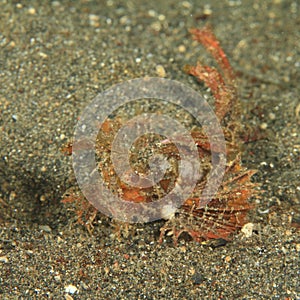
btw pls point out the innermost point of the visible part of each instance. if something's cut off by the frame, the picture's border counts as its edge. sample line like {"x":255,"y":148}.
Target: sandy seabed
{"x":55,"y":58}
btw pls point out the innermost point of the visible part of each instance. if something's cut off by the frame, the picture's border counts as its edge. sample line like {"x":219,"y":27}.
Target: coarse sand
{"x":55,"y":57}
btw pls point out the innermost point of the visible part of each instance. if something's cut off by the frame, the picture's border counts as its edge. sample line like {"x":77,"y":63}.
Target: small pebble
{"x":198,"y":278}
{"x":227,"y":258}
{"x":152,"y":13}
{"x":263,"y":126}
{"x":297,"y":111}
{"x":45,"y":228}
{"x":181,"y":48}
{"x":186,"y":4}
{"x":156,"y":26}
{"x":272,"y":116}
{"x":161,"y":17}
{"x":160,"y":71}
{"x":207,"y":10}
{"x":94,"y":20}
{"x":43,"y":198}
{"x":31,"y":11}
{"x":4,"y":259}
{"x":124,"y":20}
{"x":71,"y":289}
{"x":247,"y":229}
{"x":43,"y":55}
